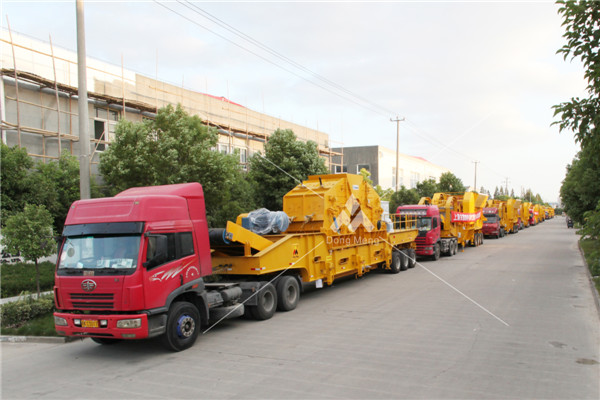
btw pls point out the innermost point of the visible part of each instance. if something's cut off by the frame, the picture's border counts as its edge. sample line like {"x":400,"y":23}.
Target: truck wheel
{"x":403,"y":260}
{"x":266,"y":300}
{"x":288,"y":293}
{"x":396,"y":264}
{"x":105,"y":341}
{"x":436,"y":252}
{"x":455,"y":247}
{"x":183,"y":325}
{"x":412,"y":258}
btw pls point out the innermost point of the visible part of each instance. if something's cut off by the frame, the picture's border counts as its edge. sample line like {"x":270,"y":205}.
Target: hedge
{"x":20,"y":277}
{"x":18,"y":312}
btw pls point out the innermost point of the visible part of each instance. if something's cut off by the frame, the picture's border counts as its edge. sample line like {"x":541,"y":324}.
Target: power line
{"x":271,"y":62}
{"x":277,"y":54}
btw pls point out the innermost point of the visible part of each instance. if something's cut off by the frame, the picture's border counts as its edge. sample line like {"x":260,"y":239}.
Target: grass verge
{"x":591,"y":251}
{"x":40,"y":326}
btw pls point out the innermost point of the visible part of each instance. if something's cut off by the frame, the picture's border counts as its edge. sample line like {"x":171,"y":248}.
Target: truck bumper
{"x":424,"y":250}
{"x":103,"y":326}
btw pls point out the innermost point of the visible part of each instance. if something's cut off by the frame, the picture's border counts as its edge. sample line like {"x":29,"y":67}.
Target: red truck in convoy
{"x":492,"y":226}
{"x":429,"y":241}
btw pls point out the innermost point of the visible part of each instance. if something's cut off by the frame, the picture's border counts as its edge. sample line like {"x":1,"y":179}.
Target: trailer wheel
{"x":288,"y":293}
{"x":403,"y":260}
{"x":412,"y":258}
{"x":266,"y":300}
{"x":436,"y":252}
{"x":105,"y":341}
{"x":396,"y":264}
{"x":183,"y":325}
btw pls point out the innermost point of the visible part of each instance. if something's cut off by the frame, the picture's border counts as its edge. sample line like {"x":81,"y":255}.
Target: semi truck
{"x":138,"y":265}
{"x":446,"y":221}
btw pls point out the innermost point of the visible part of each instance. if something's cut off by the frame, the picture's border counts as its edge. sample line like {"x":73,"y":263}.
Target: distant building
{"x":381,"y":163}
{"x":39,"y":110}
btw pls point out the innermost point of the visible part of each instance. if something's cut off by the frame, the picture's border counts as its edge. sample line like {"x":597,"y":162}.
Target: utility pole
{"x":82,"y":102}
{"x":397,"y":120}
{"x":506,"y":180}
{"x":475,"y":162}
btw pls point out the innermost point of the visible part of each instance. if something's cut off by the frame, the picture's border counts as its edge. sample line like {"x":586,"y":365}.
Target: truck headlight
{"x":129,"y":323}
{"x":60,"y":321}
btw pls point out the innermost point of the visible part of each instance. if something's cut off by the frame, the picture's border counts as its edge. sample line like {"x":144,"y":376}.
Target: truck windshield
{"x":103,"y":253}
{"x":424,"y":224}
{"x":491,"y":218}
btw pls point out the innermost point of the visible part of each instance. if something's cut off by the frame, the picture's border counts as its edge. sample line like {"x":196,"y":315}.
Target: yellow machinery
{"x":513,"y":213}
{"x":526,"y":213}
{"x":461,"y":215}
{"x":537,"y":214}
{"x":336,"y":229}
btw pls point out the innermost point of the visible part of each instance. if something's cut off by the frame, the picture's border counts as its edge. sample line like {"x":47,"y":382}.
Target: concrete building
{"x":381,"y":163}
{"x":39,"y":110}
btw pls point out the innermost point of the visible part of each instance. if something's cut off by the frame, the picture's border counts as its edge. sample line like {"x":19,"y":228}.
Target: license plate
{"x":89,"y":323}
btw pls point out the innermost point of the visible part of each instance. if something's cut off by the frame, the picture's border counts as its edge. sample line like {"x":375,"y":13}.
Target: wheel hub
{"x":185,"y":326}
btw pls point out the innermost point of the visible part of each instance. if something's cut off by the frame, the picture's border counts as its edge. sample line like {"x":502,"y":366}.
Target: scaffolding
{"x":38,"y":78}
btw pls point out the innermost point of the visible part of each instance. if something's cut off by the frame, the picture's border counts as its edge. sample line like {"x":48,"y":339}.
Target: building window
{"x":339,"y":169}
{"x":223,"y":148}
{"x":243,"y":156}
{"x":105,"y":122}
{"x":415,"y":177}
{"x":361,"y":166}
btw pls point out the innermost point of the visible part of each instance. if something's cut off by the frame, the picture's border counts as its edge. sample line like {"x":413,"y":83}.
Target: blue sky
{"x":474,"y":80}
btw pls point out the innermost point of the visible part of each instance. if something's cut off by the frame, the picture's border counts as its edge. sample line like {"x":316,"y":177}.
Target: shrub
{"x":18,"y":312}
{"x":20,"y":277}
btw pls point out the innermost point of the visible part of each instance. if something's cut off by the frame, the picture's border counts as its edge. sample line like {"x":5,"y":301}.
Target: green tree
{"x":177,"y":148}
{"x":16,"y":183}
{"x":450,"y":183}
{"x":57,"y":187}
{"x":402,"y":197}
{"x":286,"y":162}
{"x":582,"y":32}
{"x":579,"y":191}
{"x":30,"y":233}
{"x":427,"y":188}
{"x":54,"y":184}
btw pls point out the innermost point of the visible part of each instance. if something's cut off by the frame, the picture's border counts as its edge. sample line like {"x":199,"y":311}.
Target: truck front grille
{"x":95,"y":301}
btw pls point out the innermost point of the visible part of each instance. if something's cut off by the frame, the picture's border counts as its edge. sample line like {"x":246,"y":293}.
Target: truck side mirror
{"x":159,"y":242}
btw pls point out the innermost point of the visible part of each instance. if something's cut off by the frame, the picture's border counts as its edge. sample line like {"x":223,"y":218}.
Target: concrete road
{"x":383,"y":336}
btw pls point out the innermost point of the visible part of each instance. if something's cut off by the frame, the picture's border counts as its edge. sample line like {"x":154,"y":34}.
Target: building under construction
{"x":39,"y":105}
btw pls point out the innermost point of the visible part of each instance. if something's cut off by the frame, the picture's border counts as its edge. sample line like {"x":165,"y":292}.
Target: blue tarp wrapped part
{"x":264,"y":222}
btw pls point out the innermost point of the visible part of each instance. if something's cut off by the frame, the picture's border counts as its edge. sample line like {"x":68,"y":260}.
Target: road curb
{"x":37,"y":339}
{"x":590,"y":278}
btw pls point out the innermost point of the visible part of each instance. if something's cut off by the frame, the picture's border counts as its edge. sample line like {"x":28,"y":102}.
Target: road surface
{"x":515,"y":318}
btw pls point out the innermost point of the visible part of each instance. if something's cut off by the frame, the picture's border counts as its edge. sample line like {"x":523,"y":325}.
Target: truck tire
{"x":183,"y":325}
{"x":436,"y":252}
{"x":403,"y":260}
{"x":105,"y":341}
{"x":454,"y":247}
{"x":412,"y":258}
{"x":288,"y":293}
{"x":266,"y":300}
{"x":396,"y":264}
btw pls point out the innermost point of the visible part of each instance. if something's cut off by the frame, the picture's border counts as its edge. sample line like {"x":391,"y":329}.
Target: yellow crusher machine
{"x":461,"y":215}
{"x":336,"y":229}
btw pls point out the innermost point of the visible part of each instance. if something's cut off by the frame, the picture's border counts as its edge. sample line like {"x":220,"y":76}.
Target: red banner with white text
{"x":465,"y":217}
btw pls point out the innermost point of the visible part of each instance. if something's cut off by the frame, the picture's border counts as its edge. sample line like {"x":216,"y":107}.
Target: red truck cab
{"x":492,"y":225}
{"x":125,"y":261}
{"x":429,"y":226}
